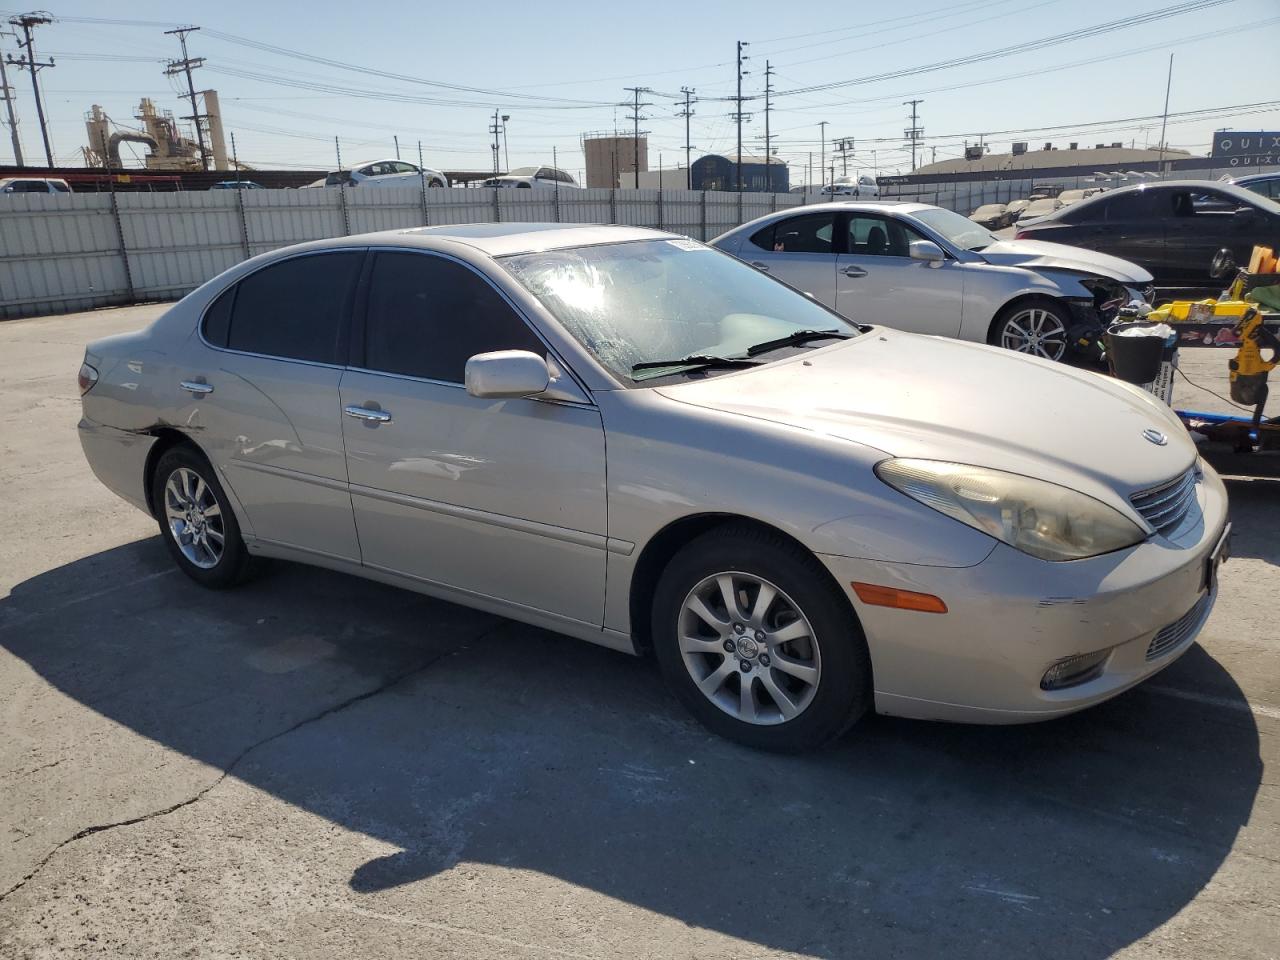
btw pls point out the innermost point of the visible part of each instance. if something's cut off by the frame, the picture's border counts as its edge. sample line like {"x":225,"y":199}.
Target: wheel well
{"x":669,"y":541}
{"x":166,"y":439}
{"x":1018,"y":301}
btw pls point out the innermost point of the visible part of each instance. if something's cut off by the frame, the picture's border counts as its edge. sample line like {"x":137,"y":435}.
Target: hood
{"x":915,"y":396}
{"x":1038,"y":254}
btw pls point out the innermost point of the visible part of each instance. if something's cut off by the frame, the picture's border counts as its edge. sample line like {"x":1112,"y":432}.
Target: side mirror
{"x":507,"y":374}
{"x":926,"y":250}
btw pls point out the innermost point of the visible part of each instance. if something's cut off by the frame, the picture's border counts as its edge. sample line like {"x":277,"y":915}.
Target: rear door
{"x":799,"y":250}
{"x":263,"y":398}
{"x":878,"y":282}
{"x":498,"y":498}
{"x":1125,"y":225}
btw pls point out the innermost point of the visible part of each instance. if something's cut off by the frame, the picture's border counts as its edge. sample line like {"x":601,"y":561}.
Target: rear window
{"x":810,"y":233}
{"x":296,"y":308}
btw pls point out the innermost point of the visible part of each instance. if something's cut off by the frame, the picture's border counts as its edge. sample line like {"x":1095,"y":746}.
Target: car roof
{"x":1257,"y":177}
{"x":501,"y":239}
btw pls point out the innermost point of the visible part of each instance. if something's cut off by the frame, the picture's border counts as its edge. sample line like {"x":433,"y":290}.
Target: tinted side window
{"x":810,"y":233}
{"x":877,"y":237}
{"x":296,"y":308}
{"x":216,"y":324}
{"x":1128,"y":206}
{"x":428,"y":316}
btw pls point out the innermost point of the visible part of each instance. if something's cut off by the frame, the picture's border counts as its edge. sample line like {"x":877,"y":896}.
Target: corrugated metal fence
{"x":65,"y":252}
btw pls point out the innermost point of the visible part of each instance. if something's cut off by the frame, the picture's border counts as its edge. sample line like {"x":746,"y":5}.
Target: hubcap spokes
{"x":749,"y":648}
{"x":194,"y":518}
{"x":1035,"y":331}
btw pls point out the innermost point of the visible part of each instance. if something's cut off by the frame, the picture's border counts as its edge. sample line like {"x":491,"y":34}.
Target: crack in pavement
{"x":227,"y":771}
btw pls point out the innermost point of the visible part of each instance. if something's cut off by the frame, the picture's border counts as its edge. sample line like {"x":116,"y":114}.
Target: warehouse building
{"x":759,"y":174}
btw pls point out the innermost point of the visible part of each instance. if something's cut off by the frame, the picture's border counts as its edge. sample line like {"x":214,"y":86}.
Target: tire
{"x":1036,"y":327}
{"x":188,"y":496}
{"x":806,"y":625}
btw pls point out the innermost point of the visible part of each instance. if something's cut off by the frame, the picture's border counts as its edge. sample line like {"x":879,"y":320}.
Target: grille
{"x":1179,"y":631}
{"x":1165,"y":506}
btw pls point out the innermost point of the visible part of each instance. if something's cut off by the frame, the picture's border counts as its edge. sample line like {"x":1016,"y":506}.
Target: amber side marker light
{"x":901,"y":599}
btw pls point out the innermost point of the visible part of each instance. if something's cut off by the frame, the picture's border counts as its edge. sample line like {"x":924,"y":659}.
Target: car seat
{"x":877,"y":242}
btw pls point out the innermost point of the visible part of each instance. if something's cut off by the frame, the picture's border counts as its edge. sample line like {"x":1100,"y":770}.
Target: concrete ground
{"x":315,"y":766}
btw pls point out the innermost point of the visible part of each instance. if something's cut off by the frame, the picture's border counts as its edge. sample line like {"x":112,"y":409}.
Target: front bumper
{"x":1012,"y":616}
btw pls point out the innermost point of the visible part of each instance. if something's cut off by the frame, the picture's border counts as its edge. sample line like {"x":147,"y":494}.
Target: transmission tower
{"x":186,"y":65}
{"x":29,"y":61}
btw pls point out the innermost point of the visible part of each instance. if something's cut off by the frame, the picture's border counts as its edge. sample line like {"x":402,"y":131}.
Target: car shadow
{"x":466,"y":738}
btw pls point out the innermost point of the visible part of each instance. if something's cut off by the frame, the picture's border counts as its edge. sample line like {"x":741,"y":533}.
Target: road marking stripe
{"x":1240,"y":706}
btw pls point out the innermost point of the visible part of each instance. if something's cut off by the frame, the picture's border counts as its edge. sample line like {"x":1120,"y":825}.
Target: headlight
{"x":1034,"y":516}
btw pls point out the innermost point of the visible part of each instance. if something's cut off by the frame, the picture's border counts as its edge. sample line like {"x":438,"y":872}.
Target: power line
{"x":1191,"y":6}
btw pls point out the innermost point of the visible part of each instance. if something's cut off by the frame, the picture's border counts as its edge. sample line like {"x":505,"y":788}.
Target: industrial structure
{"x":610,"y":156}
{"x":167,"y":148}
{"x":1103,"y":156}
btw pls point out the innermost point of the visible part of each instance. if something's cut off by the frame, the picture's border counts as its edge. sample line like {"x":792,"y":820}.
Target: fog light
{"x":1073,"y":671}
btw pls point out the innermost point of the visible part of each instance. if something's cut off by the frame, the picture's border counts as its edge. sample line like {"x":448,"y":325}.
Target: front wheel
{"x":1035,"y":327}
{"x":757,"y":643}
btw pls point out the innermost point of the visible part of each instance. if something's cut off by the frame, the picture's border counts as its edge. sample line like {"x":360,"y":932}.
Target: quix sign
{"x":1247,"y":149}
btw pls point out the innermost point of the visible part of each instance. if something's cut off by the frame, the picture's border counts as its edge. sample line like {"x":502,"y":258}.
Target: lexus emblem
{"x":1155,"y":436}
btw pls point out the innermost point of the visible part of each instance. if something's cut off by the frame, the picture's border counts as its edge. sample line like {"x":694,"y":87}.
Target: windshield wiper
{"x":791,"y":339}
{"x":699,"y":361}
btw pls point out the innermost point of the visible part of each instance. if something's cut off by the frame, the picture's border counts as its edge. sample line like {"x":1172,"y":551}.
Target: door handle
{"x":854,"y":271}
{"x":197,"y":387}
{"x":372,"y":417}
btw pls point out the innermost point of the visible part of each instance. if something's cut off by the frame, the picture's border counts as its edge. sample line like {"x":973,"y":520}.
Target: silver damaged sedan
{"x":635,"y":439}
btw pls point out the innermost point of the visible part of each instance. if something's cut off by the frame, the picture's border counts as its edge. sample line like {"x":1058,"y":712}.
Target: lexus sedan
{"x":1172,"y":229}
{"x":928,"y":270}
{"x":631,"y":438}
{"x":528,"y":178}
{"x":993,"y":216}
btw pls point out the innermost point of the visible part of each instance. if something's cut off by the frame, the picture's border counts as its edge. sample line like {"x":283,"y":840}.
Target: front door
{"x":500,"y":498}
{"x":878,"y":282}
{"x":798,"y":250}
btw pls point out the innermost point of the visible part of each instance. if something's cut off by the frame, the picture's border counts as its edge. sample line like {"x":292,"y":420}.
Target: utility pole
{"x":822,"y":157}
{"x":913,"y":134}
{"x":635,"y":118}
{"x":8,"y":102}
{"x":738,"y":115}
{"x":768,"y":143}
{"x":186,"y":65}
{"x":396,"y":138}
{"x":844,"y":148}
{"x":687,"y":112}
{"x":495,"y":128}
{"x":1165,"y":121}
{"x":28,"y":60}
{"x":506,"y":151}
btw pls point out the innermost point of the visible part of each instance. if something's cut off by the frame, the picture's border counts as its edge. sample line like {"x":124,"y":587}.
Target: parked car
{"x":34,"y":185}
{"x":1015,"y":207}
{"x":929,"y":270}
{"x":1267,"y":184}
{"x":1069,"y":197}
{"x":531,"y":177}
{"x":625,"y":436}
{"x":1173,"y":229}
{"x":993,"y":216}
{"x":386,"y":173}
{"x":236,"y":185}
{"x":862,"y":186}
{"x":1038,"y":208}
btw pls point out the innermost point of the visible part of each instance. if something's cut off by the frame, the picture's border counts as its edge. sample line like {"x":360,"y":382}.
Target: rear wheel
{"x":757,"y":643}
{"x":1035,"y":327}
{"x":196,"y":520}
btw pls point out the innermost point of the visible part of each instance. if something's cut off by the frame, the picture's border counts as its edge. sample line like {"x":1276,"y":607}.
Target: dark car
{"x":1173,"y":229}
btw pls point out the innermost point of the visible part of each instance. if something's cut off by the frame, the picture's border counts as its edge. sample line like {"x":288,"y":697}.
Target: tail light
{"x":86,"y":378}
{"x":1022,"y":235}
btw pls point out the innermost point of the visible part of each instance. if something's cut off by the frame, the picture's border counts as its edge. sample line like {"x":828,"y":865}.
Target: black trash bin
{"x":1135,"y":359}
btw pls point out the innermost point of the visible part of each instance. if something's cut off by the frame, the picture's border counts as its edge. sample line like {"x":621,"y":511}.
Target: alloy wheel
{"x":1036,"y":331}
{"x":194,"y":518}
{"x":749,"y":648}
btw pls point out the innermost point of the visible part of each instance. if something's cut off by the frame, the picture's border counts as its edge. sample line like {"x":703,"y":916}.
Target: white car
{"x":386,"y":173}
{"x":34,"y":185}
{"x":1041,"y":207}
{"x":862,"y":187}
{"x":1068,"y":197}
{"x":921,"y":268}
{"x":531,"y":177}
